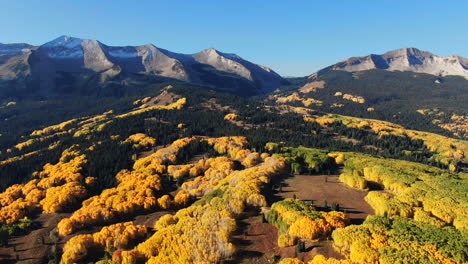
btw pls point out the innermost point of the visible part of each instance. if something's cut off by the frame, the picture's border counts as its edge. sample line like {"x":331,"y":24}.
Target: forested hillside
{"x":415,"y":100}
{"x":175,"y":173}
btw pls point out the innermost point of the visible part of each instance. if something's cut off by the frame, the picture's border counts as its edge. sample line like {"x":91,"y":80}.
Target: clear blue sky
{"x":294,"y":37}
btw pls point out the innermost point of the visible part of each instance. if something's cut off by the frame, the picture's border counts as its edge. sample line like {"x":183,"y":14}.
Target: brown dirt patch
{"x":347,"y":139}
{"x":212,"y":104}
{"x":312,"y":86}
{"x":321,"y":188}
{"x":256,"y":241}
{"x":318,"y":188}
{"x":29,"y":248}
{"x":150,"y":219}
{"x":165,"y":98}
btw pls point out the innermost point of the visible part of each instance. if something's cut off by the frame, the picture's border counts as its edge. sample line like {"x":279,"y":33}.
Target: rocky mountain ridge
{"x":47,"y":63}
{"x":407,"y":59}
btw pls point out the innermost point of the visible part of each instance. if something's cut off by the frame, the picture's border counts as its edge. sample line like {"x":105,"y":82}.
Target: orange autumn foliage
{"x":58,"y":198}
{"x":201,"y":232}
{"x":138,"y":190}
{"x":165,"y":202}
{"x":182,"y":198}
{"x":141,"y":141}
{"x":299,"y":219}
{"x":58,"y":186}
{"x":215,"y":169}
{"x":118,"y":236}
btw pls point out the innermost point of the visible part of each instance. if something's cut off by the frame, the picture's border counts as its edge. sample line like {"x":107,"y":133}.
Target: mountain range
{"x":406,"y":59}
{"x":67,"y":62}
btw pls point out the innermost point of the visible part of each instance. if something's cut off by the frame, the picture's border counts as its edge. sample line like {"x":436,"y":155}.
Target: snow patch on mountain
{"x":66,"y":54}
{"x":64,"y":47}
{"x":123,"y":52}
{"x":64,"y":41}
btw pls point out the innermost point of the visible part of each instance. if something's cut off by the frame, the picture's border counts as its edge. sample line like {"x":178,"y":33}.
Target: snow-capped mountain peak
{"x":64,"y":41}
{"x":64,"y":47}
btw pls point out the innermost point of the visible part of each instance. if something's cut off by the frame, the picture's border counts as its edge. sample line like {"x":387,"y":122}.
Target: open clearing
{"x":29,"y":248}
{"x":257,"y":241}
{"x":318,"y":188}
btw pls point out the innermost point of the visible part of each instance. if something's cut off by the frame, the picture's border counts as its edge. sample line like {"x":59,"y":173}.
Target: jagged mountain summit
{"x":67,"y":61}
{"x":407,"y":59}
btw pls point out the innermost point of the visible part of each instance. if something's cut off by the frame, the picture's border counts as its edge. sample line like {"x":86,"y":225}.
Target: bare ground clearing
{"x":257,"y":241}
{"x":318,"y":188}
{"x":29,"y":248}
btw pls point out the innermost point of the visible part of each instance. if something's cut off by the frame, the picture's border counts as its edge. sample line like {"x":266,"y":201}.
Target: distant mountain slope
{"x":407,"y":59}
{"x":410,"y":87}
{"x":10,"y":50}
{"x":12,"y":58}
{"x":67,"y":64}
